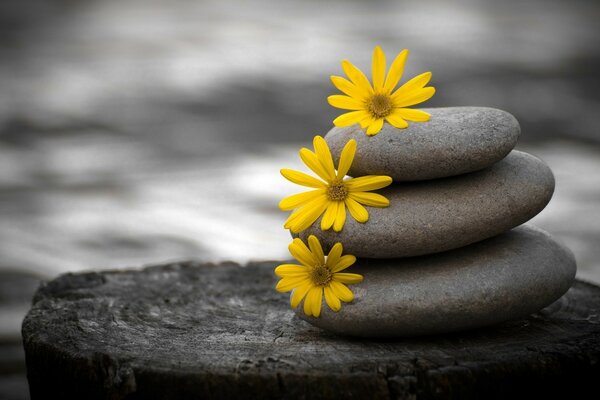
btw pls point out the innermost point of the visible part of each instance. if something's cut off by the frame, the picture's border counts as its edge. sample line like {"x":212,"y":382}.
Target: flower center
{"x":321,"y":275}
{"x":337,"y":191}
{"x":380,"y":105}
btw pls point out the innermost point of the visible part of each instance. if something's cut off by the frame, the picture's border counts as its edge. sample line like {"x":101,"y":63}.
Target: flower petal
{"x":299,"y":293}
{"x":317,"y":301}
{"x":299,"y":199}
{"x":331,"y":299}
{"x":375,"y":127}
{"x":346,"y":158}
{"x":415,"y":97}
{"x":312,"y":161}
{"x":413,"y":115}
{"x":396,"y":120}
{"x":343,"y":263}
{"x":316,"y":249}
{"x":301,"y":253}
{"x":290,"y":270}
{"x":340,"y":218}
{"x":324,"y":155}
{"x":329,"y":216}
{"x":334,"y":255}
{"x":306,"y":216}
{"x":351,"y":118}
{"x":370,"y":199}
{"x":396,"y":71}
{"x":358,"y":212}
{"x":313,"y":300}
{"x":306,"y":210}
{"x":367,"y":183}
{"x":300,"y":178}
{"x":416,"y":83}
{"x":378,"y":68}
{"x":347,"y":87}
{"x":357,"y":77}
{"x":347,"y":278}
{"x":345,"y":102}
{"x":288,"y":283}
{"x":341,"y":291}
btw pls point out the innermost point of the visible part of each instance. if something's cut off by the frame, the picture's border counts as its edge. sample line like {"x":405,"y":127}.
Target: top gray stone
{"x":456,"y":140}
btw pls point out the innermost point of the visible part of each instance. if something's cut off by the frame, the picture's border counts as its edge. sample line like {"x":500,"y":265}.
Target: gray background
{"x":148,"y":131}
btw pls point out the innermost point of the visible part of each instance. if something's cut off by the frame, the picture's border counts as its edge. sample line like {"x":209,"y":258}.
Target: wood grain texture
{"x":186,"y":331}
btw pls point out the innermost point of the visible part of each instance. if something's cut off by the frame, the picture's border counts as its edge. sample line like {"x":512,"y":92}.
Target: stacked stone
{"x":448,"y":253}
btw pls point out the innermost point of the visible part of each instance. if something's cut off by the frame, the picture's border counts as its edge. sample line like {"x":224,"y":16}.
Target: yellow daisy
{"x":372,"y":104}
{"x":331,"y":194}
{"x":317,"y":276}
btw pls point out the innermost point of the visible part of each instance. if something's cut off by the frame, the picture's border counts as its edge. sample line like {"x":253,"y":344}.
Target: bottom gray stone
{"x":506,"y":277}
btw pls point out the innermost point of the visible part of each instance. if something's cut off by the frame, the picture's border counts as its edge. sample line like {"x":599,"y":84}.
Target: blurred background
{"x":148,"y":131}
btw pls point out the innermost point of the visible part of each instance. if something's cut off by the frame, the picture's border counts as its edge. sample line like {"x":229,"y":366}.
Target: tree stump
{"x":188,"y":330}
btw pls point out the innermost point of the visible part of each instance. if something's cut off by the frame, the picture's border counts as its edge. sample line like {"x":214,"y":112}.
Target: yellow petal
{"x":313,"y":300}
{"x":367,"y":183}
{"x":415,"y":97}
{"x":366,"y":121}
{"x":316,"y":249}
{"x":300,"y":178}
{"x":312,"y":161}
{"x":299,"y":199}
{"x":341,"y":291}
{"x":346,"y":158}
{"x":343,"y":263}
{"x":413,"y":115}
{"x":301,"y":253}
{"x":416,"y":83}
{"x":369,"y":199}
{"x":350,"y":118}
{"x":290,"y":270}
{"x":396,"y":71}
{"x":357,"y":77}
{"x":347,"y":278}
{"x":305,"y":210}
{"x":375,"y":127}
{"x":288,"y":283}
{"x":309,"y":215}
{"x":308,"y":301}
{"x":340,"y":218}
{"x":396,"y":120}
{"x":378,"y":68}
{"x":324,"y":155}
{"x":357,"y":211}
{"x":329,"y":216}
{"x":345,"y":102}
{"x":331,"y":299}
{"x":316,"y":301}
{"x":334,"y":255}
{"x":299,"y":293}
{"x":347,"y":87}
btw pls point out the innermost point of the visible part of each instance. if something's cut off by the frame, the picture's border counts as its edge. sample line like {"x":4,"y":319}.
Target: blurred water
{"x":147,"y":131}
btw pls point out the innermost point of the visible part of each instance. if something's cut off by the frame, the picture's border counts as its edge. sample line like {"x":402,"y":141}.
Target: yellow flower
{"x":371,"y":105}
{"x":317,"y":276}
{"x":332,"y":194}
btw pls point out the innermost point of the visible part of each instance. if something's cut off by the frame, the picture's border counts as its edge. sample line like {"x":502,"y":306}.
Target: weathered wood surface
{"x":203,"y":331}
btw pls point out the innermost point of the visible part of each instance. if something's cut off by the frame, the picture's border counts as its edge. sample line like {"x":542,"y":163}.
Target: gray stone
{"x":456,"y":140}
{"x":503,"y":278}
{"x":433,"y":216}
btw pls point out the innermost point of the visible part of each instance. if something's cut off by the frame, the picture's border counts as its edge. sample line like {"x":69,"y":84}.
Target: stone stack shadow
{"x":450,"y":252}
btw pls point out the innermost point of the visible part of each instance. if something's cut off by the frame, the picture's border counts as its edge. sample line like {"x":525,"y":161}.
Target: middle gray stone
{"x":434,"y":216}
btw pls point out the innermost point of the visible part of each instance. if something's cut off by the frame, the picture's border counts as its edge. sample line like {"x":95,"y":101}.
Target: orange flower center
{"x":337,"y":191}
{"x":380,"y":105}
{"x":321,"y":275}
